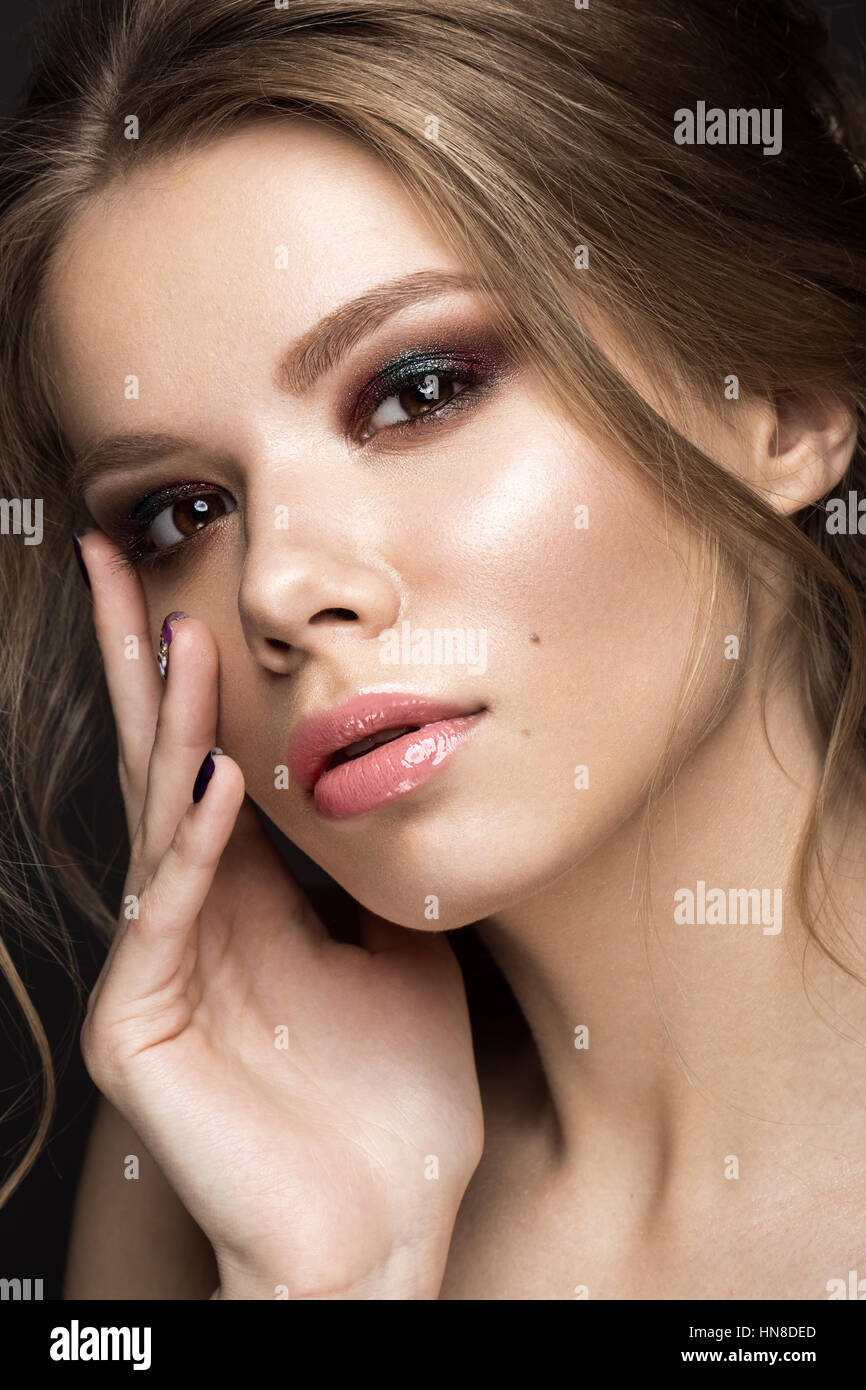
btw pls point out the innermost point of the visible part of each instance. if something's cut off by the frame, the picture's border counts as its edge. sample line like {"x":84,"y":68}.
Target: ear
{"x":803,"y":444}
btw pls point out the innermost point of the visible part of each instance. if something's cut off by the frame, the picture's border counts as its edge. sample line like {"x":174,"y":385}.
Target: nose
{"x":296,"y":599}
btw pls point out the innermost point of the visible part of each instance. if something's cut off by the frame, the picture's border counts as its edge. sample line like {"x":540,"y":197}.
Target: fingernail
{"x":165,"y":641}
{"x":205,"y":773}
{"x":82,"y":531}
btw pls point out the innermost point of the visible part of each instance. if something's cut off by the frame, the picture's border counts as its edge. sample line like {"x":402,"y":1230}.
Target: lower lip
{"x":391,"y":770}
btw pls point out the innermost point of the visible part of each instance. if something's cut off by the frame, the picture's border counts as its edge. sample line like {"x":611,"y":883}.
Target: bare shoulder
{"x":131,"y":1236}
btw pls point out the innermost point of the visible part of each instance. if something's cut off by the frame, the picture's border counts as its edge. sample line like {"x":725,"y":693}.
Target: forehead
{"x":221,"y":258}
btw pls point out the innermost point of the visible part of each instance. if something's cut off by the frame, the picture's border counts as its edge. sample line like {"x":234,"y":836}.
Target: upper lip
{"x":319,"y":736}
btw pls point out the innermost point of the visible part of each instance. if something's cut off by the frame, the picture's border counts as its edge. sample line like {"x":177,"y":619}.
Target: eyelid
{"x":445,"y":334}
{"x":130,"y":528}
{"x":478,"y":367}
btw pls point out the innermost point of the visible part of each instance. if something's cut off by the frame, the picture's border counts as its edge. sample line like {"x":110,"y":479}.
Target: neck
{"x":668,"y":1045}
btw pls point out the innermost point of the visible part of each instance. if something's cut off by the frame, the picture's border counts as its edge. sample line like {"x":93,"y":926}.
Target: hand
{"x":312,"y":1166}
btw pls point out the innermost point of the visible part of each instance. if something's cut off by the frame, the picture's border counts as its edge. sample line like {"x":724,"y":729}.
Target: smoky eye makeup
{"x":144,"y":534}
{"x":426,"y":379}
{"x":389,"y":398}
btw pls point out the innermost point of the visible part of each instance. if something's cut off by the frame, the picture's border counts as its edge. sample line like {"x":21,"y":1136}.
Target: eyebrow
{"x":315,"y":353}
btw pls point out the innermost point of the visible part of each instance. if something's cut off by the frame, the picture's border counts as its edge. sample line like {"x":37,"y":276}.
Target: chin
{"x":436,"y":873}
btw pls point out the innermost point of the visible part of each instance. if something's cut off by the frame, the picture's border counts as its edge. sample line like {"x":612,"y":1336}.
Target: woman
{"x":448,"y":401}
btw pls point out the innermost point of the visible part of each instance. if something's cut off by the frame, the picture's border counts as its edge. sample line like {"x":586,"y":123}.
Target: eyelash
{"x":477,"y":371}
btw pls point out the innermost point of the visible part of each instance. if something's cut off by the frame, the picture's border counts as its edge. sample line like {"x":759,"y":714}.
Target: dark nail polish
{"x":205,"y":773}
{"x":165,"y":641}
{"x":82,"y":531}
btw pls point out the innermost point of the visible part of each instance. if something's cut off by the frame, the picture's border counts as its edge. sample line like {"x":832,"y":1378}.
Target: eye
{"x":420,"y":397}
{"x":183,"y":516}
{"x":421,"y":384}
{"x":166,"y":520}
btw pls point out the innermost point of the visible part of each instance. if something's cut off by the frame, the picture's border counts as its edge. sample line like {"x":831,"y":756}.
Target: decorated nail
{"x":205,"y":773}
{"x":165,"y":641}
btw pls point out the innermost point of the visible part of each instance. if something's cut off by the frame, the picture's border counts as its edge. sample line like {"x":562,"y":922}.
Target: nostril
{"x":345,"y":615}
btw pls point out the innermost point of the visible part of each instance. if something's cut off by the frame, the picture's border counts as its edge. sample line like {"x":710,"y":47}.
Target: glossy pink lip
{"x":389,"y":770}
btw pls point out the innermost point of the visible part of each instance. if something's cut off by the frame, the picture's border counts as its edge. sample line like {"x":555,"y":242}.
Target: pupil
{"x":192,"y":514}
{"x":419,"y":398}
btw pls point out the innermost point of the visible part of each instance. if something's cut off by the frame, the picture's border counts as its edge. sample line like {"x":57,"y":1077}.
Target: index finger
{"x":134,"y":683}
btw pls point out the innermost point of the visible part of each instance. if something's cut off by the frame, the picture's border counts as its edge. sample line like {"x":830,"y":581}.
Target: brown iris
{"x":190,"y":514}
{"x":419,"y":397}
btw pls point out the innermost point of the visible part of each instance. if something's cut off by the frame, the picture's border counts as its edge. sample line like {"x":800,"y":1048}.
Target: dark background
{"x":34,"y":1224}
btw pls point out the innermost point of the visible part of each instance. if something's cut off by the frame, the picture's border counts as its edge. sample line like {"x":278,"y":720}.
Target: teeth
{"x":363,"y":745}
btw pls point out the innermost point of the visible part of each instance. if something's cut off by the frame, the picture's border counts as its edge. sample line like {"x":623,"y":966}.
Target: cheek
{"x":539,"y":536}
{"x":612,"y":602}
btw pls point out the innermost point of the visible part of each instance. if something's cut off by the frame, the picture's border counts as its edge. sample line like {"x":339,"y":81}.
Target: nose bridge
{"x":305,"y":570}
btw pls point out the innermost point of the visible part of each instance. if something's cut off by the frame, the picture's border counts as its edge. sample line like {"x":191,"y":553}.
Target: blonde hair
{"x":523,"y":129}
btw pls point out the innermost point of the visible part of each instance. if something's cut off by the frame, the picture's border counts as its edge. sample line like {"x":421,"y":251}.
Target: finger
{"x":185,"y":731}
{"x":134,"y":683}
{"x":153,"y":950}
{"x":247,"y":844}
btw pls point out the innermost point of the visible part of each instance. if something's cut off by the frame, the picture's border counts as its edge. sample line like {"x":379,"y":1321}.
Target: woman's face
{"x":407,"y":480}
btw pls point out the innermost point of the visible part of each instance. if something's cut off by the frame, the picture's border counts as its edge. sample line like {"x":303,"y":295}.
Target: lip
{"x":387,"y":771}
